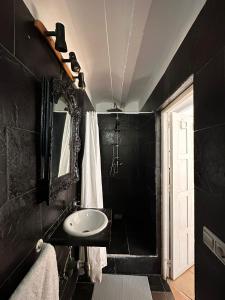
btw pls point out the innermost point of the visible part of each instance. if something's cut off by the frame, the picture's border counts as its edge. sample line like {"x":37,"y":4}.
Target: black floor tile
{"x":155,"y":283}
{"x":137,"y":265}
{"x":162,"y":296}
{"x":83,"y":291}
{"x":111,"y":267}
{"x":166,"y":286}
{"x":84,"y":279}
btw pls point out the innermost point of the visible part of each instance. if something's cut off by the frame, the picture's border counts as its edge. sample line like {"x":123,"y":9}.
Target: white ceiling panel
{"x":123,"y":46}
{"x":88,"y":19}
{"x":140,"y":16}
{"x":119,"y":15}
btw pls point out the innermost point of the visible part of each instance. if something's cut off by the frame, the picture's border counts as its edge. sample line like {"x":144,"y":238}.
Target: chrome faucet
{"x":76,"y":204}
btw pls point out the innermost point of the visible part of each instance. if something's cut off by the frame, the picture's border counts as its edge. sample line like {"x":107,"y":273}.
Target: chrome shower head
{"x":114,"y":109}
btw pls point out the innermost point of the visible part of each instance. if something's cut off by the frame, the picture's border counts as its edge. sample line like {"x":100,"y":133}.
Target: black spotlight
{"x":59,"y":33}
{"x":74,"y":63}
{"x":81,"y":82}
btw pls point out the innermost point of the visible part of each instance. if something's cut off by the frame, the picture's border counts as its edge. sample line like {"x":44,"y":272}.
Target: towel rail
{"x":39,"y":245}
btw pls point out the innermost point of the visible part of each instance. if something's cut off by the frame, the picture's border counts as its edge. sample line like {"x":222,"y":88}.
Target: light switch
{"x":220,"y":250}
{"x":214,"y":244}
{"x":208,"y":239}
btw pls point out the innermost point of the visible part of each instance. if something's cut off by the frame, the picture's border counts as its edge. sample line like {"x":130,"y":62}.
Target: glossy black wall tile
{"x":203,"y":53}
{"x":209,"y":160}
{"x":22,"y":161}
{"x":205,"y":38}
{"x":209,"y":207}
{"x":209,"y":270}
{"x":209,"y":173}
{"x":209,"y":92}
{"x":30,"y":46}
{"x":20,"y":223}
{"x":20,"y":88}
{"x":23,"y":220}
{"x":7,"y":25}
{"x":131,"y":192}
{"x":3,"y":166}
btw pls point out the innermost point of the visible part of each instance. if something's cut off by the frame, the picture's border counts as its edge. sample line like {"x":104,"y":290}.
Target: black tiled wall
{"x":209,"y":140}
{"x":131,"y":192}
{"x":24,"y":59}
{"x":202,"y":54}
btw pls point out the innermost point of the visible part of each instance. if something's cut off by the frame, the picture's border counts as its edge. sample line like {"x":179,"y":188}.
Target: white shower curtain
{"x":91,"y":189}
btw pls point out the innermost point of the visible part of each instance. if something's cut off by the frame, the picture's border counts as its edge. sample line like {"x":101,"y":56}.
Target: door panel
{"x":182,"y":194}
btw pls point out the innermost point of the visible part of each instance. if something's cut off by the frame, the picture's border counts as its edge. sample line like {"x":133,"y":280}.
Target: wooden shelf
{"x":42,"y":29}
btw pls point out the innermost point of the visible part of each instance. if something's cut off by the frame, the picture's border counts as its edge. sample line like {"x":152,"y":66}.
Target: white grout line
{"x":125,"y":112}
{"x":107,"y":39}
{"x":128,"y":246}
{"x":128,"y":46}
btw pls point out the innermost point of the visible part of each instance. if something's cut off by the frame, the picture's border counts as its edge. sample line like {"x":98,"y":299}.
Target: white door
{"x":181,"y":194}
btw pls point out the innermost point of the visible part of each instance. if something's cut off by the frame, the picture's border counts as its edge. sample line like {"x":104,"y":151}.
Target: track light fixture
{"x":59,"y":33}
{"x":74,"y":63}
{"x":81,"y":82}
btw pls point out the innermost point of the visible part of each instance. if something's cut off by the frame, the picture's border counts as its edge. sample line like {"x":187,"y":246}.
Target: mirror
{"x":60,"y":142}
{"x":61,"y":135}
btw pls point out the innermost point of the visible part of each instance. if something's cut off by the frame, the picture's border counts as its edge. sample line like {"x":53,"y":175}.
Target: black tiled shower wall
{"x":202,"y":54}
{"x":24,"y":59}
{"x":131,"y":193}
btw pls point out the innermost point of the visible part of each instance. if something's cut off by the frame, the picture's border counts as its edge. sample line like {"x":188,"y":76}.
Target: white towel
{"x":42,"y":281}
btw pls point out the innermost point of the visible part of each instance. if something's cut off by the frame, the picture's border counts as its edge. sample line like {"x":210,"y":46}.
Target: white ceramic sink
{"x":85,"y":222}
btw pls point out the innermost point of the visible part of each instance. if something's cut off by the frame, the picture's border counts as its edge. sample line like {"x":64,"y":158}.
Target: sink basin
{"x":85,"y":222}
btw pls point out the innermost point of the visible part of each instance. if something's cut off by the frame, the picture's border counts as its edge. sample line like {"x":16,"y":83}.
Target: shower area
{"x":127,"y":145}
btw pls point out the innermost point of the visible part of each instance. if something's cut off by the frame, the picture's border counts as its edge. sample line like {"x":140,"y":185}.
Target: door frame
{"x":177,"y":102}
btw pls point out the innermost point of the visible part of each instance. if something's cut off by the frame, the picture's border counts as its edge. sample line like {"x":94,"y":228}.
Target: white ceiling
{"x":123,"y":46}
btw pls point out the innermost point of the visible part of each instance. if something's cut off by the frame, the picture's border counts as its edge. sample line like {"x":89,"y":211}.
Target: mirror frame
{"x":52,"y":90}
